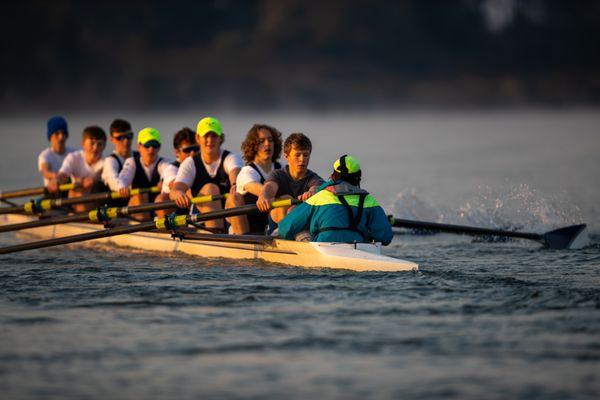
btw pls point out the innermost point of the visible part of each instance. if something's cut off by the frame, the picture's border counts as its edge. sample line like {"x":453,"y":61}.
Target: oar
{"x":104,"y":213}
{"x":570,"y":237}
{"x":11,"y":194}
{"x":41,"y":205}
{"x":169,"y":223}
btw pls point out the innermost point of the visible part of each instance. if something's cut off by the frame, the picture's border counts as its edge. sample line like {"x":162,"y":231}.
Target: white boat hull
{"x":359,"y":257}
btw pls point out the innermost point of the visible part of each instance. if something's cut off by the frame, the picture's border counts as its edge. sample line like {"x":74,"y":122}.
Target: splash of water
{"x":409,"y":205}
{"x":516,"y":207}
{"x":519,"y":207}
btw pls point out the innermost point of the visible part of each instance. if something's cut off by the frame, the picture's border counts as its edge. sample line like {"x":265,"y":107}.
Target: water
{"x":479,"y":320}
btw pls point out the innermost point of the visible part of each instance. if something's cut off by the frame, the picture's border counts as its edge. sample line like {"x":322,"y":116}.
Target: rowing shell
{"x":356,"y":257}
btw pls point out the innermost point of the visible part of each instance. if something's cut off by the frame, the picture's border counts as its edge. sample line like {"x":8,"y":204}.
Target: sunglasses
{"x":153,"y":143}
{"x":128,"y":135}
{"x":189,"y":149}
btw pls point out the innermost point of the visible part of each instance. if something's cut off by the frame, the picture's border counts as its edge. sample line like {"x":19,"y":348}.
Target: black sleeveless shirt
{"x":258,"y":221}
{"x":221,"y":179}
{"x":140,"y":180}
{"x":118,"y":160}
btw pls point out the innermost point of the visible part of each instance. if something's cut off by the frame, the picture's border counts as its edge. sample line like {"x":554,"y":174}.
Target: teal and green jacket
{"x":327,"y":219}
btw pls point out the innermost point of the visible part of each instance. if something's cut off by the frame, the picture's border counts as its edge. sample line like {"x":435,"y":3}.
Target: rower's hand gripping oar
{"x":11,"y":194}
{"x":570,"y":237}
{"x":169,"y":223}
{"x":104,"y":214}
{"x":41,"y":205}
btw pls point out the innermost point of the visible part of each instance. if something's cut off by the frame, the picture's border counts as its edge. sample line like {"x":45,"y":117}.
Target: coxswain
{"x":212,"y":171}
{"x":340,"y":212}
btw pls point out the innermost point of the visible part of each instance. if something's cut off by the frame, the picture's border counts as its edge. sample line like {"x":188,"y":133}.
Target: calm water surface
{"x":479,"y":320}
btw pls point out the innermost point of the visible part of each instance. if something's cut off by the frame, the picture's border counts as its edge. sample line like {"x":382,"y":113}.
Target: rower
{"x":295,"y":180}
{"x":51,"y":158}
{"x":142,"y":170}
{"x":340,"y":212}
{"x":212,"y":171}
{"x":84,"y":167}
{"x":121,"y":136}
{"x":261,"y":149}
{"x":184,"y":146}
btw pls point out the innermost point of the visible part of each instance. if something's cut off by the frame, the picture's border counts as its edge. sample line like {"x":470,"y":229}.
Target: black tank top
{"x":221,"y":179}
{"x":258,"y":221}
{"x":140,"y":180}
{"x":119,"y":163}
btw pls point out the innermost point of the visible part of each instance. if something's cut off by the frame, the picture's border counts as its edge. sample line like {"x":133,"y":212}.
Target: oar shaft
{"x":11,"y":194}
{"x":168,"y":223}
{"x":44,"y":222}
{"x":78,"y":238}
{"x":462,"y":229}
{"x":112,"y":212}
{"x":34,"y":207}
{"x":247,"y":209}
{"x":125,"y":211}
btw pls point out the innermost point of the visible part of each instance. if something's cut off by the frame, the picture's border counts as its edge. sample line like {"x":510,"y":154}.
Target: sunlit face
{"x":148,"y":153}
{"x":122,"y":142}
{"x":186,"y":149}
{"x":210,"y":143}
{"x":58,"y":139}
{"x":265,"y":145}
{"x":298,"y":160}
{"x":93,"y":148}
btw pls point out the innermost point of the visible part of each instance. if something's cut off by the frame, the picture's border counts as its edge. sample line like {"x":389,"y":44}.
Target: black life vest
{"x":140,"y":180}
{"x":258,"y":221}
{"x":119,"y":163}
{"x":221,"y":179}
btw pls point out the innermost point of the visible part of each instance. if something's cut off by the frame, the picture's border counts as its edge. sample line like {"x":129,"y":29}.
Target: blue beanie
{"x":57,"y":123}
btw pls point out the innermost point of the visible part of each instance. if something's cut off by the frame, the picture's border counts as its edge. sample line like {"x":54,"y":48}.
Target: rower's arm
{"x":269,"y":190}
{"x":110,"y":174}
{"x":125,"y":178}
{"x":179,"y":187}
{"x":46,"y":171}
{"x":179,"y":196}
{"x":254,"y":188}
{"x":309,"y":193}
{"x":233,"y":175}
{"x":63,"y":178}
{"x":267,"y":195}
{"x":58,"y":179}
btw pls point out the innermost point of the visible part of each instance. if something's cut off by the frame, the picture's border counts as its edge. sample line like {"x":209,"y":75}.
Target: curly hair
{"x":250,"y":144}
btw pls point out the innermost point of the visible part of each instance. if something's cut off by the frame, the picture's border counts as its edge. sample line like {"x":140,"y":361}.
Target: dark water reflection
{"x":479,"y":320}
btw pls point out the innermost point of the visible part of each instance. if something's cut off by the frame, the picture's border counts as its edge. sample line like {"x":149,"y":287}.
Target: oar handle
{"x":38,"y":206}
{"x":11,"y":194}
